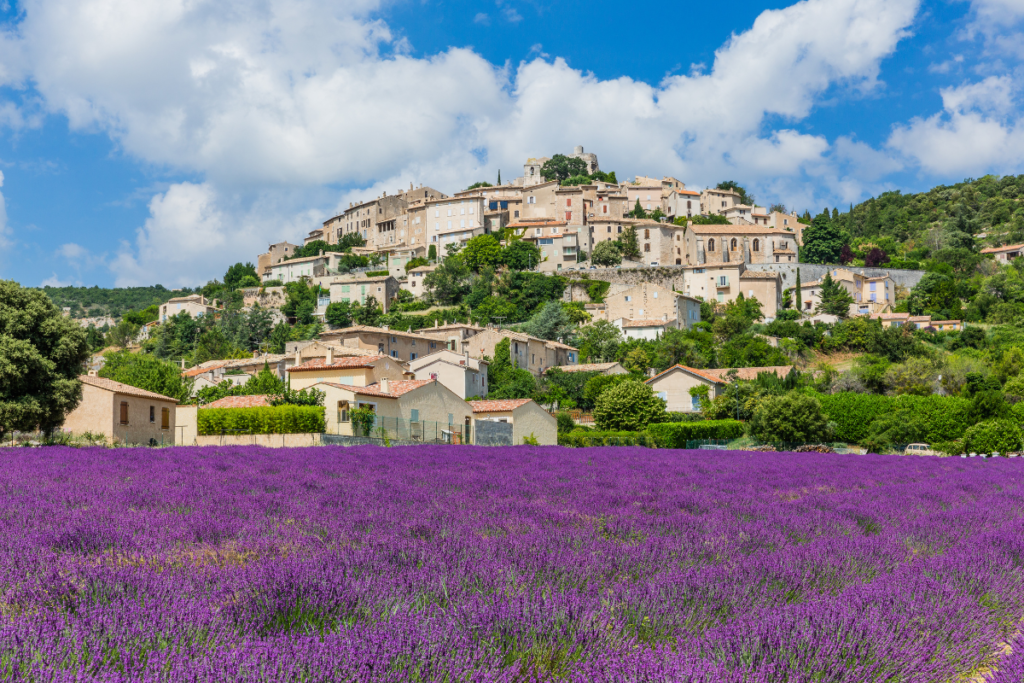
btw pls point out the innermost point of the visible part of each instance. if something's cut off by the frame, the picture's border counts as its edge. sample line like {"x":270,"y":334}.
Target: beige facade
{"x":1006,"y":253}
{"x":460,"y":373}
{"x":323,"y":265}
{"x":529,"y":353}
{"x":122,"y":413}
{"x":429,"y":403}
{"x":357,"y":289}
{"x":186,"y":425}
{"x":871,"y":295}
{"x":446,"y":221}
{"x":719,"y":244}
{"x":649,"y":301}
{"x":398,"y":259}
{"x":603,"y":368}
{"x":396,"y":344}
{"x":380,"y":221}
{"x":264,"y":297}
{"x":531,"y":171}
{"x":359,"y":371}
{"x":416,"y":281}
{"x":196,"y":306}
{"x":673,"y":385}
{"x":528,"y":419}
{"x":723,"y":283}
{"x":717,"y":201}
{"x":647,"y":192}
{"x":274,"y":254}
{"x":918,"y":322}
{"x":682,"y":203}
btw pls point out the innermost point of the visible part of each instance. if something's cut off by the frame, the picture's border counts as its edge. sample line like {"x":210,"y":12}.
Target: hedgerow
{"x":676,"y":434}
{"x":287,"y":419}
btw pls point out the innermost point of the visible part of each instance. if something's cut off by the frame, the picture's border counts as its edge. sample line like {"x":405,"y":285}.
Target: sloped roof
{"x":498,"y":406}
{"x":720,"y":375}
{"x":997,"y":250}
{"x":719,"y":229}
{"x":647,"y":323}
{"x":126,"y":389}
{"x":381,"y":330}
{"x":257,"y":401}
{"x":338,"y":364}
{"x":759,"y":275}
{"x":396,"y":387}
{"x":204,"y":368}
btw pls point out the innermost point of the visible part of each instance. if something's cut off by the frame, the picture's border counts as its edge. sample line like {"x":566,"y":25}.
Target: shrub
{"x":792,"y":418}
{"x":676,"y":434}
{"x":565,"y":423}
{"x":377,"y":273}
{"x":287,"y":419}
{"x":992,"y":436}
{"x":586,"y":439}
{"x":629,"y":406}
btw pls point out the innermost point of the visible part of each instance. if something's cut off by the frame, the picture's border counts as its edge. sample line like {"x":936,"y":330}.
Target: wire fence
{"x":418,"y":431}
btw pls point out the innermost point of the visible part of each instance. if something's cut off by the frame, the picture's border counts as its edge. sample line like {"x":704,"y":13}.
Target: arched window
{"x":757,"y":245}
{"x":711,"y":245}
{"x":733,"y":244}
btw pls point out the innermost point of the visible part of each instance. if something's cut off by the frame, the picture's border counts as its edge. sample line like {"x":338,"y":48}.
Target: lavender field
{"x":524,"y":564}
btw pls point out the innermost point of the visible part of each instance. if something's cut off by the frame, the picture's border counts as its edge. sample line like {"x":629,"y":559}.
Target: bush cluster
{"x":286,"y":419}
{"x":588,"y":438}
{"x":676,"y":434}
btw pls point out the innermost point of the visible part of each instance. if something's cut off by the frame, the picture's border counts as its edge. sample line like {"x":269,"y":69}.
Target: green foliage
{"x":449,"y":282}
{"x":41,"y":355}
{"x":479,"y":184}
{"x":596,"y":385}
{"x":569,"y":387}
{"x":148,"y":372}
{"x":735,"y":187}
{"x":482,"y":250}
{"x":530,"y":440}
{"x":791,"y":418}
{"x":835,"y":299}
{"x":607,"y":253}
{"x":628,"y":406}
{"x":591,"y":439}
{"x":504,"y":378}
{"x":339,"y":314}
{"x":93,"y":301}
{"x":823,"y":240}
{"x":599,"y":341}
{"x":316,"y":246}
{"x":676,"y":434}
{"x":416,"y":263}
{"x":521,"y":255}
{"x":123,"y":334}
{"x":301,"y":302}
{"x":941,"y":418}
{"x":551,"y":322}
{"x":565,"y":423}
{"x":286,"y":419}
{"x":236,"y":275}
{"x":713,"y":219}
{"x":597,"y":289}
{"x":628,"y":243}
{"x":146,"y":315}
{"x":560,"y":167}
{"x":991,"y":436}
{"x":367,"y":313}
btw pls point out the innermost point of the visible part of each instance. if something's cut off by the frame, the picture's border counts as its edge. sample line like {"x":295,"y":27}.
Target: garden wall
{"x":268,"y":440}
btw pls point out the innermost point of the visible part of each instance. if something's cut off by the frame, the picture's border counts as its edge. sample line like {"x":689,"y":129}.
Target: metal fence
{"x":747,"y":444}
{"x":420,"y":431}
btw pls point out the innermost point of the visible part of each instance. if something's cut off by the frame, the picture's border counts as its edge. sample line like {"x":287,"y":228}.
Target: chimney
{"x":387,"y":327}
{"x":385,"y":386}
{"x":435,"y":322}
{"x":330,"y":355}
{"x":298,"y":357}
{"x":321,"y":252}
{"x":385,"y":193}
{"x":410,"y":186}
{"x":255,"y":354}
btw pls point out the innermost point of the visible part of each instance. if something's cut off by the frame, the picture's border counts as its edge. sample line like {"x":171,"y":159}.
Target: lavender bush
{"x":522,"y":564}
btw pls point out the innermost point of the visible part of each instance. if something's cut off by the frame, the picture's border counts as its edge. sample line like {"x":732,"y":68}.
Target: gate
{"x":493,"y":433}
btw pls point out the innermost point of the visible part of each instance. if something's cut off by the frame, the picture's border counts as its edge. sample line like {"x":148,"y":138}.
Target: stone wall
{"x":268,"y":440}
{"x":810,"y":272}
{"x":266,"y":297}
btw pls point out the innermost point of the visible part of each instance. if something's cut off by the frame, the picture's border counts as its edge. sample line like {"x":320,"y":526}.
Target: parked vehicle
{"x":919,"y":449}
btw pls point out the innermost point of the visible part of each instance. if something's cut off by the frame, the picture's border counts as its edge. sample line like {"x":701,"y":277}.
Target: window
{"x":568,"y":202}
{"x":462,"y":212}
{"x":628,"y":298}
{"x":647,"y":247}
{"x":711,"y":245}
{"x":165,"y":418}
{"x":517,"y":214}
{"x":342,"y":411}
{"x":412,"y":356}
{"x":647,"y":234}
{"x":723,"y":280}
{"x":655,"y":295}
{"x":414,"y":415}
{"x":688,"y":205}
{"x":872,"y":286}
{"x":609,"y":228}
{"x":757,"y":244}
{"x":604,"y":208}
{"x":568,"y":216}
{"x":124,"y":412}
{"x":531,"y":200}
{"x":733,"y":244}
{"x":152,"y":413}
{"x":394,"y":354}
{"x":620,"y":230}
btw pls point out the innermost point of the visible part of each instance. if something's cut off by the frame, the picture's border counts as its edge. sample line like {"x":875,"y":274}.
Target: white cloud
{"x":271,"y":102}
{"x":512,"y":15}
{"x":978,"y":131}
{"x":55,"y":281}
{"x":482,"y":18}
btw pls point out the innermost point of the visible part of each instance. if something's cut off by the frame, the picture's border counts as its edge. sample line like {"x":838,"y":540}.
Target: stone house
{"x":409,"y":409}
{"x":529,"y":353}
{"x":122,"y":413}
{"x":682,"y":203}
{"x":398,"y":258}
{"x":719,"y":244}
{"x":871,"y":295}
{"x":463,"y":375}
{"x":264,"y":297}
{"x":357,"y":371}
{"x":918,"y":322}
{"x":445,"y":221}
{"x":528,"y":419}
{"x":603,"y":368}
{"x":647,"y":191}
{"x":722,"y":283}
{"x":379,"y":221}
{"x":275,"y":254}
{"x":714,"y":201}
{"x":397,"y":344}
{"x":649,"y":302}
{"x":195,"y":305}
{"x":1006,"y":253}
{"x":674,"y":384}
{"x":416,"y":282}
{"x":321,"y":265}
{"x":357,"y":289}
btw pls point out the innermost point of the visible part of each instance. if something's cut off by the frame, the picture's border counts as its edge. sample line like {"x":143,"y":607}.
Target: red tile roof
{"x":1008,"y":247}
{"x":119,"y":388}
{"x":720,"y":375}
{"x":647,"y":323}
{"x":257,"y":401}
{"x":498,"y":406}
{"x":338,"y":364}
{"x":398,"y":387}
{"x":204,"y":368}
{"x":584,"y":367}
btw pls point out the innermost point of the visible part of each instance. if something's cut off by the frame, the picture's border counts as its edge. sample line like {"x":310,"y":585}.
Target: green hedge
{"x":287,"y":419}
{"x":947,"y":418}
{"x":676,"y":434}
{"x":587,"y":439}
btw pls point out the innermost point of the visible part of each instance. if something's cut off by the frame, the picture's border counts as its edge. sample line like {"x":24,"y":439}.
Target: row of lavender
{"x":435,"y":564}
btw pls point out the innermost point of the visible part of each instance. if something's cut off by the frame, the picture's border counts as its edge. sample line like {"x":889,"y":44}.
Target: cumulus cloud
{"x":272,"y":102}
{"x":5,"y":231}
{"x":978,"y":131}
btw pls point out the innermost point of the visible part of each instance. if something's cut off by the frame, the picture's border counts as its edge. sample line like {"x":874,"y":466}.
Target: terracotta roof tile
{"x":338,"y":364}
{"x":126,"y":389}
{"x":759,"y":275}
{"x":257,"y":401}
{"x":647,"y":323}
{"x":498,"y":406}
{"x":396,"y":388}
{"x":996,"y":250}
{"x":720,"y":375}
{"x":736,"y":230}
{"x":204,"y":368}
{"x":380,"y":330}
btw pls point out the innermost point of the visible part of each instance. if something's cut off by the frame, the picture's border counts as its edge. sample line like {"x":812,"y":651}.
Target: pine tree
{"x":499,"y":177}
{"x":835,"y":300}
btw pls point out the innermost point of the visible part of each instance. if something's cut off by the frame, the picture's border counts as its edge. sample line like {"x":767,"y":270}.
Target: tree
{"x":823,"y":240}
{"x":874,"y":258}
{"x":628,"y":243}
{"x":41,"y":357}
{"x":233,"y":278}
{"x":638,"y":211}
{"x":369,"y":313}
{"x":449,"y":282}
{"x":598,"y":384}
{"x":482,"y":250}
{"x":416,"y":263}
{"x":560,"y":167}
{"x":835,"y":300}
{"x":301,"y":302}
{"x":144,"y":371}
{"x":577,"y":180}
{"x":791,"y":418}
{"x":339,"y":314}
{"x":432,"y":253}
{"x":504,"y":378}
{"x":521,"y":255}
{"x":993,"y":436}
{"x":599,"y":341}
{"x":713,"y":219}
{"x":798,"y":293}
{"x":916,"y":376}
{"x":123,"y":334}
{"x":214,"y":345}
{"x":606,"y":254}
{"x":551,"y":322}
{"x":629,"y":406}
{"x":781,"y":208}
{"x":732,"y":185}
{"x":846,"y":255}
{"x":482,"y":183}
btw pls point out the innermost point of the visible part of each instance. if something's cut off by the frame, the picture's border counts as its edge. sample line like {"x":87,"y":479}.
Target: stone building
{"x":445,"y":221}
{"x":715,"y":244}
{"x":714,"y":201}
{"x":122,"y":413}
{"x":275,"y":254}
{"x":195,"y":305}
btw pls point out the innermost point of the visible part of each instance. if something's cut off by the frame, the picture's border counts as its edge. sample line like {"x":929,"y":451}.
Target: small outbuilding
{"x":122,"y":413}
{"x":526,"y":417}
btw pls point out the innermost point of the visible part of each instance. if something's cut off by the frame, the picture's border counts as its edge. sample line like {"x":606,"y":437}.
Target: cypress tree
{"x":499,"y":177}
{"x":799,"y":294}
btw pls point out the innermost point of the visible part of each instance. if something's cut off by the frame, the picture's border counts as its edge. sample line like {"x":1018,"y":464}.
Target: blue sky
{"x":164,"y":141}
